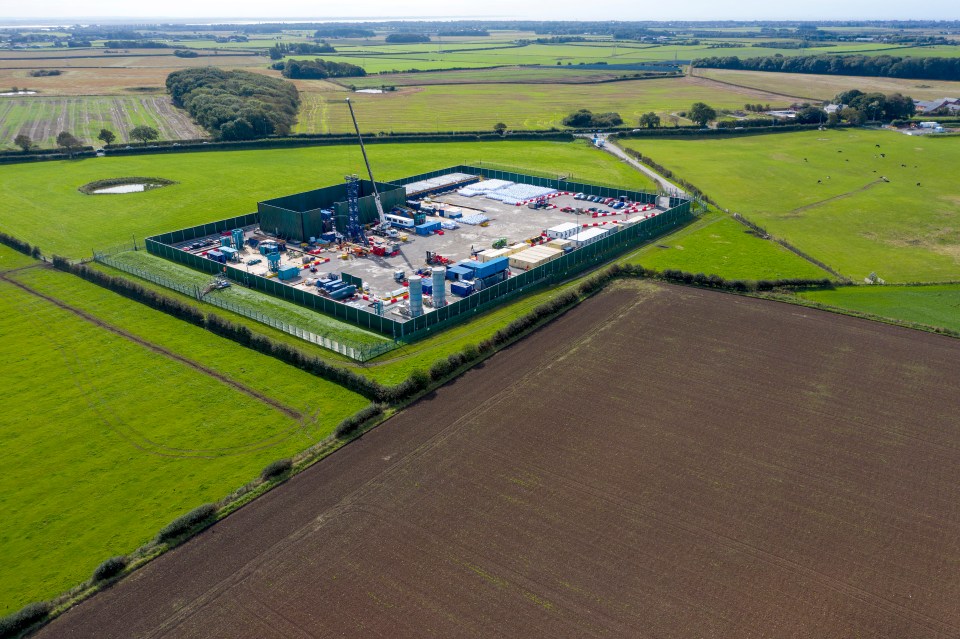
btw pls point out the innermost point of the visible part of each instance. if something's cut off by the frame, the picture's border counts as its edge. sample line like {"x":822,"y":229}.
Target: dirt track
{"x":657,"y":463}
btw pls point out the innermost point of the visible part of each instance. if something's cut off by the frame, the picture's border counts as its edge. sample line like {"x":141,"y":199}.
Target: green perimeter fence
{"x":617,"y":240}
{"x":353,"y":350}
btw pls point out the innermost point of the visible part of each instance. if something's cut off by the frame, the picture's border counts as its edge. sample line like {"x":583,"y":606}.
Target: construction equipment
{"x":500,"y":243}
{"x":366,"y":160}
{"x":539,"y":203}
{"x":435,"y":259}
{"x":354,"y":229}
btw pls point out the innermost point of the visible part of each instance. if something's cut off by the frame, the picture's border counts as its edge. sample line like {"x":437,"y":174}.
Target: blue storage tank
{"x":273,"y":261}
{"x":225,"y":240}
{"x":329,"y":285}
{"x":345,"y":292}
{"x":288,"y":272}
{"x":237,"y":235}
{"x":461,"y":289}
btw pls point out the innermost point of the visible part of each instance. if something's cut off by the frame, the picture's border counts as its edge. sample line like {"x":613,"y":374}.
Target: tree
{"x":107,"y":136}
{"x":702,"y":113}
{"x":853,"y":116}
{"x":144,"y":133}
{"x":67,"y":141}
{"x":650,"y":120}
{"x":500,"y":128}
{"x":811,"y":115}
{"x":23,"y":141}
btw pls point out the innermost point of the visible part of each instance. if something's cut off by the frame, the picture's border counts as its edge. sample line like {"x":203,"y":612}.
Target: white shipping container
{"x":562,"y":231}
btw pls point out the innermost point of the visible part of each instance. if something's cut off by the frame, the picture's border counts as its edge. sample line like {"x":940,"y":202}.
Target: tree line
{"x":280,"y":49}
{"x":317,"y":69}
{"x":235,"y":105}
{"x":886,"y":66}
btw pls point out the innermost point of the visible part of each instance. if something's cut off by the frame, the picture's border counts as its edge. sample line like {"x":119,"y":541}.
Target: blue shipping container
{"x":461,"y":289}
{"x":455,"y":273}
{"x":428,"y":227}
{"x":427,"y":287}
{"x":217,"y":256}
{"x":288,"y":272}
{"x":494,"y":266}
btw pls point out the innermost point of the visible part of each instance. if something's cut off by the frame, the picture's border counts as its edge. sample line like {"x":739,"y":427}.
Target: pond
{"x":127,"y":188}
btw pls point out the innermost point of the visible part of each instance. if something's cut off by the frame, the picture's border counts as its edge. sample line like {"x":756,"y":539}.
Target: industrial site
{"x":444,"y":237}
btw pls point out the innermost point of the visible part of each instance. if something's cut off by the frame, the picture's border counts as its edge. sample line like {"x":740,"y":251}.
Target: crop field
{"x":824,"y":192}
{"x":477,"y":107}
{"x":499,"y":75}
{"x":716,"y":244}
{"x":618,"y":473}
{"x":930,"y":305}
{"x":825,"y":87}
{"x":43,"y":118}
{"x":124,"y":419}
{"x":44,"y":207}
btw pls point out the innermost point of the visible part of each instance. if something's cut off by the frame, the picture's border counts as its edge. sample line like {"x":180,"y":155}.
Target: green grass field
{"x":716,"y":244}
{"x":44,"y":207}
{"x":108,"y":440}
{"x":477,"y":107}
{"x":822,"y":191}
{"x":930,"y":305}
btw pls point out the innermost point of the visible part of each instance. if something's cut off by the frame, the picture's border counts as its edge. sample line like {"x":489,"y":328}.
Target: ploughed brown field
{"x":659,"y":462}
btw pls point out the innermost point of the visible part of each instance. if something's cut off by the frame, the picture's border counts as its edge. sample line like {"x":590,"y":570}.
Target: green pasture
{"x":477,"y":107}
{"x":824,"y":192}
{"x":107,"y":441}
{"x":716,"y":244}
{"x":43,"y":206}
{"x":931,"y":305}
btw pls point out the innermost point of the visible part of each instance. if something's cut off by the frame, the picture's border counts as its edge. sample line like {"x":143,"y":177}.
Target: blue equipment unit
{"x":225,"y":240}
{"x":273,"y":262}
{"x":252,"y":242}
{"x":217,"y":256}
{"x":461,"y":289}
{"x":229,"y":253}
{"x":454,"y":215}
{"x":427,"y":287}
{"x":343,"y":293}
{"x":266,"y":248}
{"x":486,"y":282}
{"x":288,"y":272}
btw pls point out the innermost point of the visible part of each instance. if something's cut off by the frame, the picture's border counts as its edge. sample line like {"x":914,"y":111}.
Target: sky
{"x":488,"y":9}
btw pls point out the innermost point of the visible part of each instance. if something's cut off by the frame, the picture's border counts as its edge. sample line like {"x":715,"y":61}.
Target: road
{"x":664,"y":184}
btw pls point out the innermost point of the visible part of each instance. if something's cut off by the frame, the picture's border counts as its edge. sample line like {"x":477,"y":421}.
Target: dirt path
{"x":807,"y":207}
{"x":156,"y":348}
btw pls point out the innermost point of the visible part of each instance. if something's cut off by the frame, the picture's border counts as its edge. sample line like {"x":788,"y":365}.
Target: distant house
{"x":834,"y":108}
{"x":951,"y":105}
{"x":786,"y":114}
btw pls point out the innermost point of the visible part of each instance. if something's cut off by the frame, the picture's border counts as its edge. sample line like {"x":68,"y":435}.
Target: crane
{"x":376,"y":193}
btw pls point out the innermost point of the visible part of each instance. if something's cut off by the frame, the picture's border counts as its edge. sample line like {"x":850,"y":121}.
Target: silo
{"x":416,"y":296}
{"x":237,"y":239}
{"x":439,"y":274}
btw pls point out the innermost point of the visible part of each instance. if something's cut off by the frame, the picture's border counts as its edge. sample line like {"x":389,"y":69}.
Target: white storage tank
{"x":416,"y":296}
{"x":439,"y":277}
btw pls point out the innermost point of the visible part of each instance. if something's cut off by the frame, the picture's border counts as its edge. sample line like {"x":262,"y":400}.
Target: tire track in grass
{"x":156,"y":348}
{"x":807,"y":207}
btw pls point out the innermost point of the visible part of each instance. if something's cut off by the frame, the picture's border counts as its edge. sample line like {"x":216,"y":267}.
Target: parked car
{"x":579,"y":196}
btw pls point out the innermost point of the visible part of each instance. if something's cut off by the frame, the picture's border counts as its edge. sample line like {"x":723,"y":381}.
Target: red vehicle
{"x":567,"y":209}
